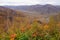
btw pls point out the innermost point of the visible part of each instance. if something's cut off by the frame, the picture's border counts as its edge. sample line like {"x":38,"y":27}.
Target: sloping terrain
{"x":41,"y":9}
{"x":8,"y":17}
{"x":14,"y":18}
{"x":28,"y":25}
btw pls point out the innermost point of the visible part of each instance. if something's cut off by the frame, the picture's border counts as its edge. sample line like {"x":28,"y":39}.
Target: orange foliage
{"x":12,"y":39}
{"x":28,"y":26}
{"x":34,"y":34}
{"x":46,"y":27}
{"x":58,"y":24}
{"x":22,"y":29}
{"x":12,"y":36}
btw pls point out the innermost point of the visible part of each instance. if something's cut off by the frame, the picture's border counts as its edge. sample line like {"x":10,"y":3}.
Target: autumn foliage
{"x":22,"y":28}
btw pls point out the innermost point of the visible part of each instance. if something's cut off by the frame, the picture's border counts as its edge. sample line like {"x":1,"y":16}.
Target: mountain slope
{"x":42,"y":9}
{"x":8,"y":18}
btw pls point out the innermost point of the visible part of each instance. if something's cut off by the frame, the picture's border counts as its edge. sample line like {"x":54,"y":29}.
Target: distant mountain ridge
{"x":43,"y":9}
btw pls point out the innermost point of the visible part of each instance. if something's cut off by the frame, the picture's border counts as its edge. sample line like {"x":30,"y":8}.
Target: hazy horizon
{"x":29,"y":2}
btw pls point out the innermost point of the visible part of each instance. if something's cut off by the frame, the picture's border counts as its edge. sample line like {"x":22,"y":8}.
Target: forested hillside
{"x":19,"y":25}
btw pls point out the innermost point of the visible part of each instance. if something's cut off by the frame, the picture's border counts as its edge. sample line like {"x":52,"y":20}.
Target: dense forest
{"x":15,"y":25}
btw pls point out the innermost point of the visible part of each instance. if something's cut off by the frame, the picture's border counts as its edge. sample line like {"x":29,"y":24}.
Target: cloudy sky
{"x":29,"y":2}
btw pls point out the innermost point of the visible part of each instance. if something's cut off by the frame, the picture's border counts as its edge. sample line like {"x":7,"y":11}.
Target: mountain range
{"x":15,"y":15}
{"x":42,"y":9}
{"x":40,"y":12}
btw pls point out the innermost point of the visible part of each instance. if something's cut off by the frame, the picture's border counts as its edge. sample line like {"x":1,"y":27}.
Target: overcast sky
{"x":29,"y":2}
